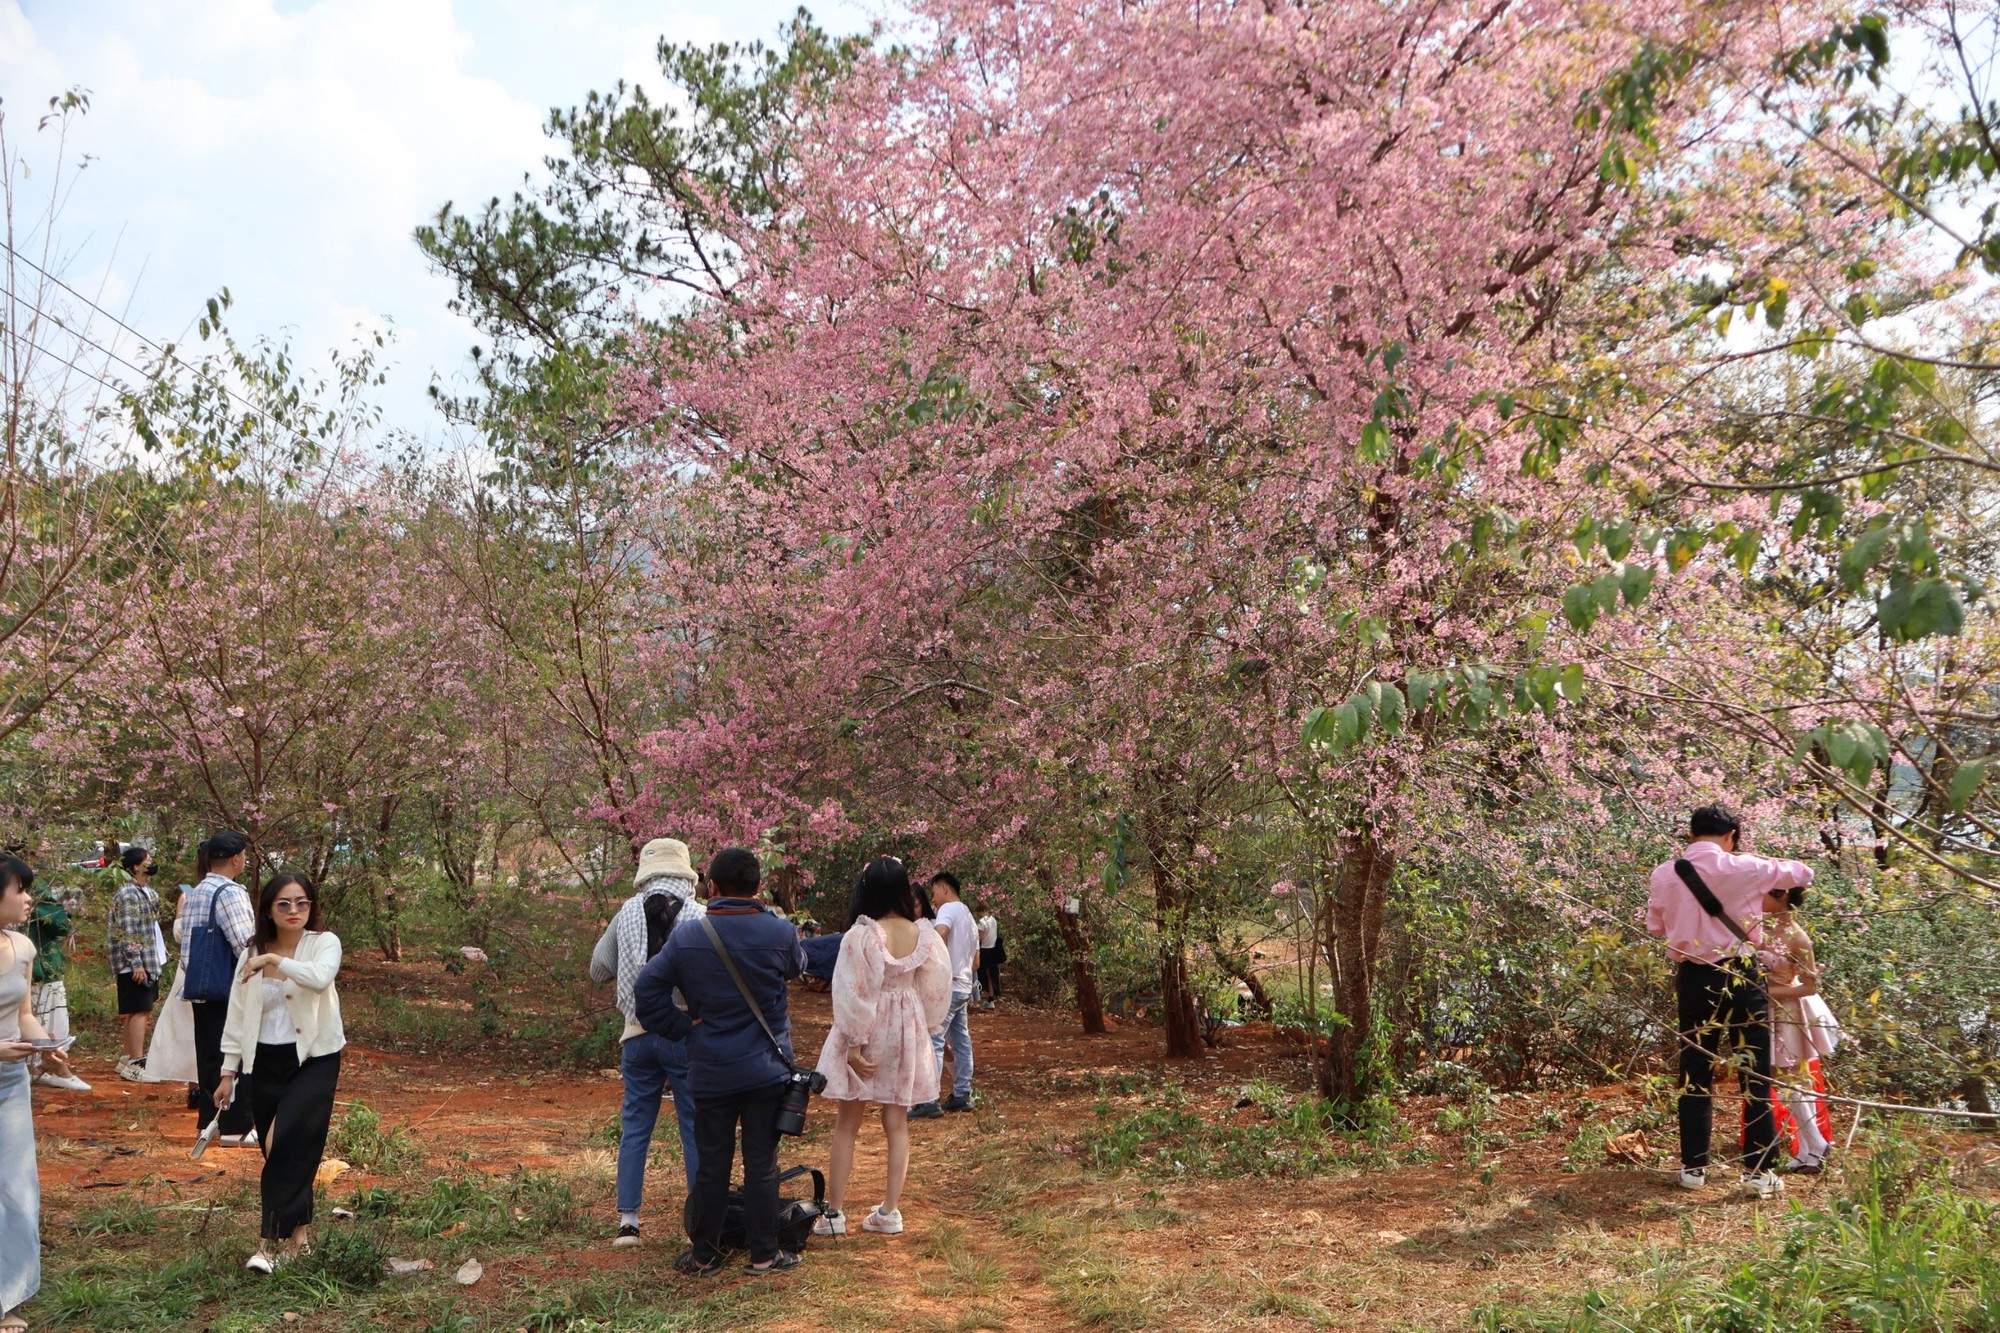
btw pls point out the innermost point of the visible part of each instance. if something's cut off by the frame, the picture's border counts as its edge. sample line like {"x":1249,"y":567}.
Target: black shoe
{"x":956,"y":1103}
{"x":694,"y":1267}
{"x":784,"y":1262}
{"x":628,"y":1237}
{"x":926,"y":1111}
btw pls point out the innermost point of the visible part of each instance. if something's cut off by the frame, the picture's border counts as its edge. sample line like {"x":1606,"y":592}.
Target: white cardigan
{"x":309,"y":997}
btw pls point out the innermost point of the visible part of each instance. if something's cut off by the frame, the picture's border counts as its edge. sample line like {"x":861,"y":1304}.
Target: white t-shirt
{"x":963,"y":944}
{"x":989,"y":931}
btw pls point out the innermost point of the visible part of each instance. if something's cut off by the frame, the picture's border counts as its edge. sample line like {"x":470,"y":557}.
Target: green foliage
{"x":360,"y":1138}
{"x":1168,"y":1136}
{"x":350,"y":1257}
{"x":1900,"y":1249}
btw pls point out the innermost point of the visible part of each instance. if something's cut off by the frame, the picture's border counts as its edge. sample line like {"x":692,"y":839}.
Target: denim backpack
{"x":210,"y":965}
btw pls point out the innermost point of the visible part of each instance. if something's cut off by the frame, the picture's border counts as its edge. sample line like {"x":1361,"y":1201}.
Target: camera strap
{"x":743,"y":988}
{"x":1709,"y":902}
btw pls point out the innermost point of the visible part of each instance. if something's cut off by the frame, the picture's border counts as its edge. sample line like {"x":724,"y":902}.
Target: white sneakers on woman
{"x":260,"y":1262}
{"x":886,"y":1223}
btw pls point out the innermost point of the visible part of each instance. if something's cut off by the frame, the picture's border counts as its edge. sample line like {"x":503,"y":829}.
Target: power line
{"x":166,"y":354}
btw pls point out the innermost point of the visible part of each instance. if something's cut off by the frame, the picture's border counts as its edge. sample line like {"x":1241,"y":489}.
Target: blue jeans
{"x":957,"y":1030}
{"x":650,"y":1064}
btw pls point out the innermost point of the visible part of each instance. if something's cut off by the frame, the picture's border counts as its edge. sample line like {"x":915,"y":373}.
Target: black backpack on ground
{"x":795,"y":1216}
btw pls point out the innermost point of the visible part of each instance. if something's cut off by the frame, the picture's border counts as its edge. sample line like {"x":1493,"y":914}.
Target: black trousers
{"x":1717,"y":1004}
{"x":715,"y":1121}
{"x":293,"y":1106}
{"x":989,"y":973}
{"x":210,"y":1016}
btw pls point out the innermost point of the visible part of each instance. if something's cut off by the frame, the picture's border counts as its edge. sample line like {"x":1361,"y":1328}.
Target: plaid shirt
{"x":234,"y":916}
{"x":135,"y":914}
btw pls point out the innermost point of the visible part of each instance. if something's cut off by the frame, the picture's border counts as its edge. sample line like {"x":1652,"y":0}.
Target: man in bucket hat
{"x":651,"y":1065}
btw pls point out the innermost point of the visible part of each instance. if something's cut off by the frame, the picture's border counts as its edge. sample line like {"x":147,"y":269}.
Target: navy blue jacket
{"x":727,"y":1051}
{"x":822,"y":952}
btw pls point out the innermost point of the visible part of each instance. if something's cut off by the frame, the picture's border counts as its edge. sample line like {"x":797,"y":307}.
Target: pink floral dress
{"x":890,"y":1005}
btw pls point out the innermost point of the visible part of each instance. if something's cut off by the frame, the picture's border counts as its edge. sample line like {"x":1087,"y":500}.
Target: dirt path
{"x":1006,"y":1230}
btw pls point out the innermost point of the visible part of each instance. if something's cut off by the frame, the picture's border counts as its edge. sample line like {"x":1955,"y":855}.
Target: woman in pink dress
{"x":891,"y":989}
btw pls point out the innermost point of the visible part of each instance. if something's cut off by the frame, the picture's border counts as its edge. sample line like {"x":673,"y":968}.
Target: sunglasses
{"x":290,"y":905}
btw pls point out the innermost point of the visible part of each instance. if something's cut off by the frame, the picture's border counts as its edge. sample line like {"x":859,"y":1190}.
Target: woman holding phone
{"x":284,"y":1038}
{"x":20,"y":1183}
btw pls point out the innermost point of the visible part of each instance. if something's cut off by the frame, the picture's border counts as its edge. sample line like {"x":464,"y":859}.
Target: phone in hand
{"x":52,"y":1043}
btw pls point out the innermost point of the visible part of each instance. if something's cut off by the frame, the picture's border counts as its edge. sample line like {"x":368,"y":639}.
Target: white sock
{"x":628,"y":1219}
{"x":1804,"y":1107}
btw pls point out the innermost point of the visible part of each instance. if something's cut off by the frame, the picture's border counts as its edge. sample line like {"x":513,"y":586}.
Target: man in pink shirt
{"x":1718,"y":989}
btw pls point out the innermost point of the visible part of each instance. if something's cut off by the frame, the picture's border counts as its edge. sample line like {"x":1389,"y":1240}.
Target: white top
{"x":310,"y":1001}
{"x":989,"y":931}
{"x":963,"y":942}
{"x":277,"y":1029}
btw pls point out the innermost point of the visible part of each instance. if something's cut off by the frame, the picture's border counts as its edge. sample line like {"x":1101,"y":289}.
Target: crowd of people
{"x":701,"y":967}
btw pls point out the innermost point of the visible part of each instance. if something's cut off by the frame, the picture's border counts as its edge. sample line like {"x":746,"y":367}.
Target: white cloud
{"x":286,"y":150}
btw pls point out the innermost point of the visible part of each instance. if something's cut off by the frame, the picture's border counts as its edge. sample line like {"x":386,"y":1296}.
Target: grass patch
{"x":1168,"y":1136}
{"x":1901,"y":1249}
{"x":360,"y":1138}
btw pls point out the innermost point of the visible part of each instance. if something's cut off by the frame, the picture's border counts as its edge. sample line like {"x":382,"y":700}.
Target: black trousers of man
{"x":1718,"y":1002}
{"x":210,"y":1017}
{"x":715,"y":1121}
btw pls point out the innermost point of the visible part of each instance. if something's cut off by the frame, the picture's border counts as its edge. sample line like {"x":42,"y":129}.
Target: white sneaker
{"x":888,"y":1224}
{"x":830,"y":1223}
{"x":1694,"y":1180}
{"x":247,"y":1139}
{"x":70,"y":1083}
{"x":1763,"y":1185}
{"x":259,"y":1262}
{"x":134,"y":1071}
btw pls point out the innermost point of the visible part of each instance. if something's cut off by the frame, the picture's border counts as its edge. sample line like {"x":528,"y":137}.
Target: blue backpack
{"x":210,"y":965}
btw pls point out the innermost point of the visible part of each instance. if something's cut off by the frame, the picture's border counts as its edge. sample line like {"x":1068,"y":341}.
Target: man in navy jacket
{"x":736,"y":1073}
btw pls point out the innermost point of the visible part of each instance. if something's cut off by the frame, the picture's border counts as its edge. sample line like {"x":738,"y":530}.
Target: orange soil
{"x":1411,"y":1245}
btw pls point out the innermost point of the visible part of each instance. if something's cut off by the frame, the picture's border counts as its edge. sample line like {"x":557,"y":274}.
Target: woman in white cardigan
{"x":284,"y":1036}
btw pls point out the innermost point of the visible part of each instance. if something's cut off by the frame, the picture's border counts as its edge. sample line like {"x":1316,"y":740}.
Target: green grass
{"x":1900,"y":1251}
{"x":1167,"y":1136}
{"x":360,"y":1139}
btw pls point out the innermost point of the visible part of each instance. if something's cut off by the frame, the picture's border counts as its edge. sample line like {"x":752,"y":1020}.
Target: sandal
{"x":690,"y":1266}
{"x":783,"y":1262}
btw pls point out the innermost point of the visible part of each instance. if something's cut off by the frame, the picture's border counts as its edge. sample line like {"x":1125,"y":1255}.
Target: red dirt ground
{"x":1407,"y":1245}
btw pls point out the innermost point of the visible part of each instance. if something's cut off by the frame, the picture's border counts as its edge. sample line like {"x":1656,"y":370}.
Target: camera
{"x":799,"y":1089}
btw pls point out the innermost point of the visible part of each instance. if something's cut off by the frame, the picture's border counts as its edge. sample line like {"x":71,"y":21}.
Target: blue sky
{"x":285,"y":148}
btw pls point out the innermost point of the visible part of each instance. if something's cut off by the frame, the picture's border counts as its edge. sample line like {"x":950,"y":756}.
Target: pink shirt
{"x":1739,"y":884}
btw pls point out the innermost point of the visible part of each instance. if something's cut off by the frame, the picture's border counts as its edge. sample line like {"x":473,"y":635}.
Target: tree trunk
{"x":1168,"y":850}
{"x":1076,"y":943}
{"x":389,"y":911}
{"x":1238,"y":966}
{"x":1350,"y":939}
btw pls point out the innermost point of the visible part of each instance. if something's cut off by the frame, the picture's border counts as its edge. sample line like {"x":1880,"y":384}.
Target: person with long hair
{"x":1803,"y":1028}
{"x":20,"y":1182}
{"x":284,"y":1038}
{"x":891,"y":990}
{"x":216,"y":913}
